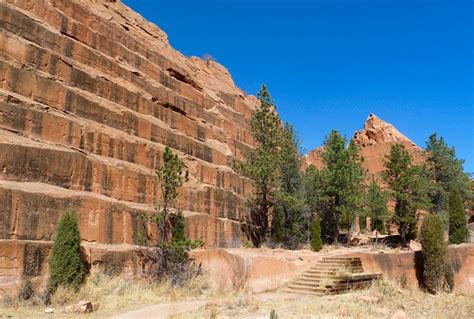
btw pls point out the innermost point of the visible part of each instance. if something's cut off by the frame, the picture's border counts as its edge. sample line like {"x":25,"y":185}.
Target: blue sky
{"x":328,"y":64}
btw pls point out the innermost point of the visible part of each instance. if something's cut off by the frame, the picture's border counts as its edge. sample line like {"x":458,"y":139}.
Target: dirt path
{"x":162,"y":311}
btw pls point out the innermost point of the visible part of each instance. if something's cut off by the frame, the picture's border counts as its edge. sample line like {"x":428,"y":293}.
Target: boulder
{"x":414,"y":245}
{"x":400,"y":314}
{"x":82,"y":306}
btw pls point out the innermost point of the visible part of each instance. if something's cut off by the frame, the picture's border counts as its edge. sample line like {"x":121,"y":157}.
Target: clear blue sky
{"x":328,"y":64}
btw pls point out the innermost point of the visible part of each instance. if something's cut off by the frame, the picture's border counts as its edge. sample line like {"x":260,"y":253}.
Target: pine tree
{"x":447,"y":172}
{"x":344,"y":183}
{"x":318,"y":201}
{"x":434,"y":249}
{"x":290,"y":161}
{"x":65,"y":265}
{"x":409,"y":188}
{"x":171,"y":175}
{"x":262,"y":166}
{"x":377,"y":206}
{"x":316,"y":243}
{"x":458,"y":232}
{"x":178,"y":232}
{"x":290,"y":212}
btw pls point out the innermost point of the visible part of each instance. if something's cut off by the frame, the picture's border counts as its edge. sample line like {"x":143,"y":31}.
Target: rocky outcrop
{"x":90,"y":94}
{"x":374,"y":142}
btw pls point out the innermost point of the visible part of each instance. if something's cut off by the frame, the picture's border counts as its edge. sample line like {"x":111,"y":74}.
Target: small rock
{"x":382,"y":311}
{"x":414,"y":246}
{"x":82,"y":306}
{"x":371,"y":299}
{"x":49,"y":310}
{"x":400,"y":314}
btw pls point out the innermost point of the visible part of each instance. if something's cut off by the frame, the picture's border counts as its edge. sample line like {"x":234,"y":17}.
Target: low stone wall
{"x":255,"y":270}
{"x":21,"y":259}
{"x":409,"y":264}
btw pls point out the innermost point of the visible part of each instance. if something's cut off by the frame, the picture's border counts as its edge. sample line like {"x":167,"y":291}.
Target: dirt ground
{"x":382,"y":300}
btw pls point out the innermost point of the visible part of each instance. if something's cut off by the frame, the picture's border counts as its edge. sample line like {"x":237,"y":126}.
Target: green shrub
{"x":316,"y":243}
{"x":26,"y":291}
{"x":178,"y":231}
{"x":458,"y":232}
{"x":65,"y":266}
{"x":434,"y":250}
{"x":448,"y":277}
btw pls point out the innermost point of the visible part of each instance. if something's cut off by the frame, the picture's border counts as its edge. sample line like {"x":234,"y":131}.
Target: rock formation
{"x":374,"y":142}
{"x":90,"y":94}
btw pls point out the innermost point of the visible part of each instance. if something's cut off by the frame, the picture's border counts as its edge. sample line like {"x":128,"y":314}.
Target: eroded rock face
{"x":374,"y":142}
{"x":90,"y":94}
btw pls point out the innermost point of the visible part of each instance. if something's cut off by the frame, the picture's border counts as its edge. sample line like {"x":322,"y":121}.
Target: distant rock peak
{"x":374,"y":141}
{"x":378,"y":131}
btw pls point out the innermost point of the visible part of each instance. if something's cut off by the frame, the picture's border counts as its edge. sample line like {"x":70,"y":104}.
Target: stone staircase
{"x":332,"y":275}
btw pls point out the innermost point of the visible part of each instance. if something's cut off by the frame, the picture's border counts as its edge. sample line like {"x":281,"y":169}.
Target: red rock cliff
{"x":90,"y":94}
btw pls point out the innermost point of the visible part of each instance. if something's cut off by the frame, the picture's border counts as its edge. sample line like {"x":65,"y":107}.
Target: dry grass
{"x":111,"y":295}
{"x":390,"y":298}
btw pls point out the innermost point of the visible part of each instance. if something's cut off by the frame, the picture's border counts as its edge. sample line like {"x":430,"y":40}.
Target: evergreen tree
{"x":458,"y":232}
{"x":447,"y":173}
{"x":171,"y":175}
{"x":262,"y":166}
{"x":290,"y":161}
{"x":409,"y":188}
{"x":315,"y":184}
{"x":316,"y":243}
{"x":178,"y":233}
{"x":65,"y":265}
{"x":318,"y":201}
{"x":290,"y":212}
{"x":436,"y":270}
{"x":377,"y":206}
{"x":344,"y":182}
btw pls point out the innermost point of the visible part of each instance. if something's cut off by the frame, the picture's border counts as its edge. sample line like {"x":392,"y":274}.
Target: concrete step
{"x":326,"y":267}
{"x":338,"y":283}
{"x":334,"y":271}
{"x":355,"y":277}
{"x":331,"y":276}
{"x":341,"y":258}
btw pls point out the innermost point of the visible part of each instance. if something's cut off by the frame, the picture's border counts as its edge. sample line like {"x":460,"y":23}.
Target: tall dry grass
{"x":112,"y":294}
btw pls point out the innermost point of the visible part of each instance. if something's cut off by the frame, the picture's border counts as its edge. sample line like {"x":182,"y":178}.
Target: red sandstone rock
{"x":374,"y":142}
{"x":91,"y":93}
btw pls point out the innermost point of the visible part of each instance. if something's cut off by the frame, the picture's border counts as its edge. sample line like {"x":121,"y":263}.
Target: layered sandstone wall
{"x":90,"y":94}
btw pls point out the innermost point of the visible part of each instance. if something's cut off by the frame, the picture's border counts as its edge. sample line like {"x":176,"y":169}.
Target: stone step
{"x":331,"y":284}
{"x":331,"y":276}
{"x":326,"y":267}
{"x":339,"y":259}
{"x":335,"y":280}
{"x":341,"y":264}
{"x":334,"y":271}
{"x":312,"y":277}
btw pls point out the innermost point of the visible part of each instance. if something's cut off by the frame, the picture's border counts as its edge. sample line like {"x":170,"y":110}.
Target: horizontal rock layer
{"x":90,"y":94}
